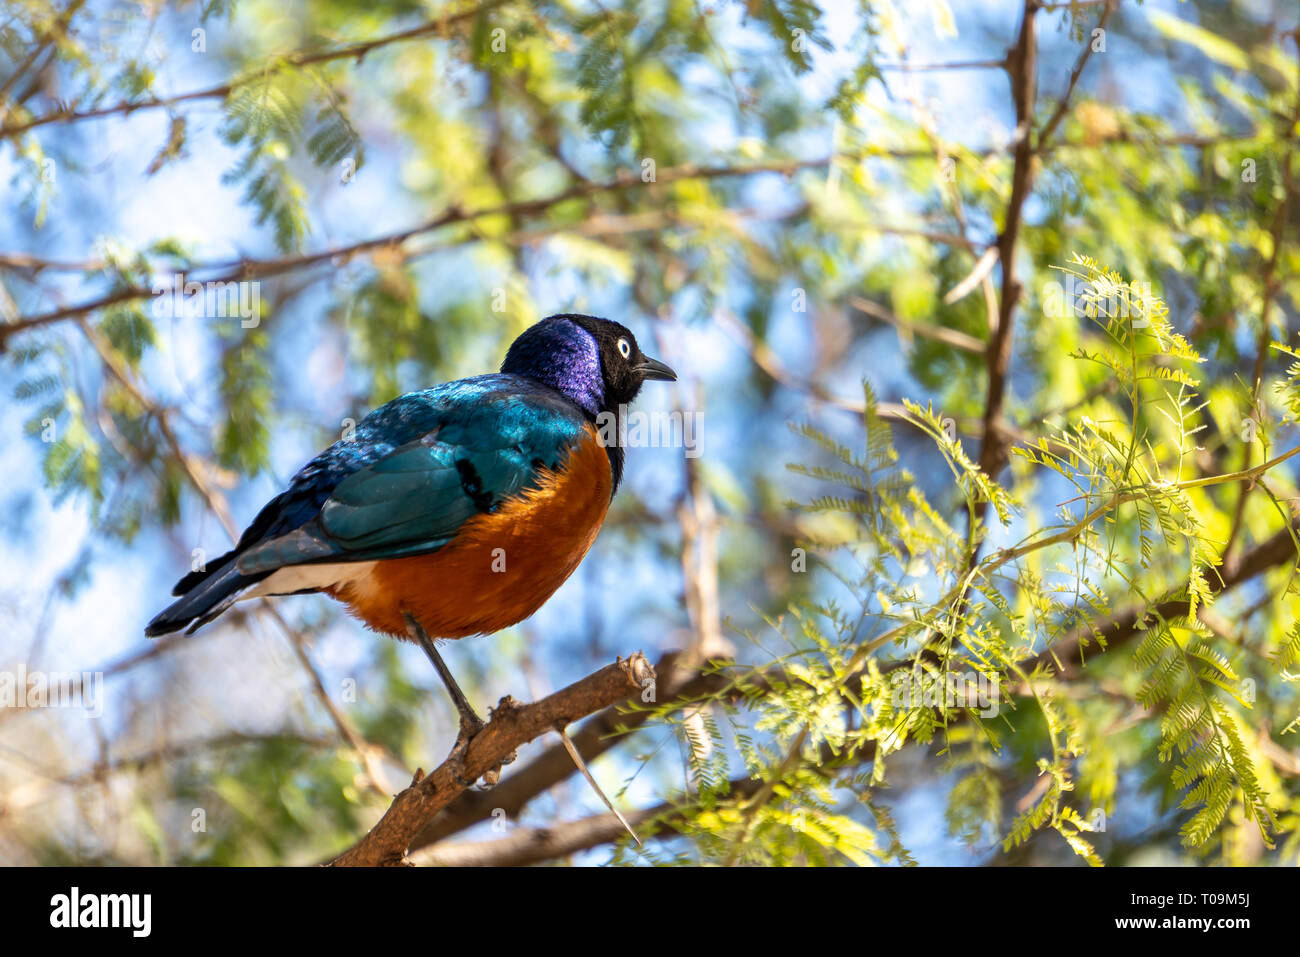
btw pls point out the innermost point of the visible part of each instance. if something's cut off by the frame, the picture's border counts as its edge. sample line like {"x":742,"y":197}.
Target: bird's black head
{"x":595,"y":362}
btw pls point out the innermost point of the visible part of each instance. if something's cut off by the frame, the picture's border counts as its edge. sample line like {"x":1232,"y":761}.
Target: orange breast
{"x":502,"y":565}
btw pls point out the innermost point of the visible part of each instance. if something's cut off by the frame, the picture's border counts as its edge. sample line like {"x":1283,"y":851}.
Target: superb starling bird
{"x":454,"y":511}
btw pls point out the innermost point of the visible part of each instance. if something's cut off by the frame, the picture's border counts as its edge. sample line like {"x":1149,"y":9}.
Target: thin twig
{"x":586,"y":773}
{"x":905,"y":67}
{"x":352,"y":51}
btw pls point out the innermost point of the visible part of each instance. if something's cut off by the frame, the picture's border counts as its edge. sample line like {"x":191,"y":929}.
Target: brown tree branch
{"x":36,"y":264}
{"x":534,"y":845}
{"x":945,"y":334}
{"x":352,"y":51}
{"x":510,"y":725}
{"x":598,"y":734}
{"x":1022,"y":67}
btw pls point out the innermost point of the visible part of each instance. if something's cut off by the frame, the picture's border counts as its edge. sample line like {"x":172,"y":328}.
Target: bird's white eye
{"x":625,"y":348}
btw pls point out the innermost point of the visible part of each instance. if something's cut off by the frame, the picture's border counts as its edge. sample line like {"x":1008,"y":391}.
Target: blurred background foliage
{"x":786,"y":200}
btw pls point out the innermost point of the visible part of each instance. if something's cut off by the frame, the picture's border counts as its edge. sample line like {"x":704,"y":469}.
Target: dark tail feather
{"x":209,"y":570}
{"x":204,"y":596}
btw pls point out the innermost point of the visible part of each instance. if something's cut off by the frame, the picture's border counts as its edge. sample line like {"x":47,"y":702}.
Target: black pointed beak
{"x":654,"y":369}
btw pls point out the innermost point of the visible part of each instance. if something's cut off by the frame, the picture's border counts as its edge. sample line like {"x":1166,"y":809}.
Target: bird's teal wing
{"x":472,"y":452}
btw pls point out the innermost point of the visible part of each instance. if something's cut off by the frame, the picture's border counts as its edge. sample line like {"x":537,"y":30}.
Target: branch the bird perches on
{"x":509,"y":725}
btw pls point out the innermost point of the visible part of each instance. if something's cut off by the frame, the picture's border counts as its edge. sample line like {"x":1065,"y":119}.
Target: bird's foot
{"x":493,"y":775}
{"x":456,"y":761}
{"x":471,"y":725}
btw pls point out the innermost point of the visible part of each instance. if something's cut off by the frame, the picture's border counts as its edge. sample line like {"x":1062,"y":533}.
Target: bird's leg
{"x":470,"y":723}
